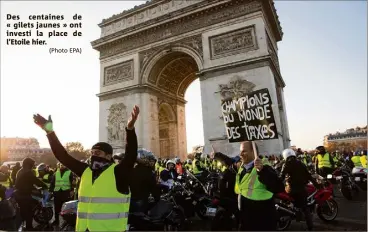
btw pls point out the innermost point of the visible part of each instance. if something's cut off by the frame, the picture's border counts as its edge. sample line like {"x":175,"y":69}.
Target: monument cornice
{"x":155,"y":11}
{"x":198,"y":20}
{"x":260,"y":62}
{"x":138,"y":89}
{"x":156,"y":22}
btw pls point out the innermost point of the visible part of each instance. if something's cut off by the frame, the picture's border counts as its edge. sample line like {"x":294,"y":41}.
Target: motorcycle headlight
{"x":329,"y":176}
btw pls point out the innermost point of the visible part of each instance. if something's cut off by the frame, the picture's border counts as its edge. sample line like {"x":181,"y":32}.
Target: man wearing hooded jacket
{"x":103,"y":194}
{"x":24,"y":185}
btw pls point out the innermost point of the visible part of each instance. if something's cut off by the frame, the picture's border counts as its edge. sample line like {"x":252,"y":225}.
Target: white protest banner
{"x":249,"y":118}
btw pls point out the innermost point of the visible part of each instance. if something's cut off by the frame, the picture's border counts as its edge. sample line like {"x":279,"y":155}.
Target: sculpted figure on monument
{"x":116,"y":123}
{"x":237,"y":88}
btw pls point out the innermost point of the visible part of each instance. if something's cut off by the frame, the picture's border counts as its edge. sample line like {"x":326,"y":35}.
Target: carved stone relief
{"x":194,"y":42}
{"x":180,"y":26}
{"x":236,"y":88}
{"x":119,"y":73}
{"x":234,"y":42}
{"x":116,"y":122}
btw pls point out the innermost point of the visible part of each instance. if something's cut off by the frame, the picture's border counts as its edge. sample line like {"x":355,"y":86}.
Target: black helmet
{"x":145,"y":156}
{"x":321,"y":149}
{"x":41,"y":167}
{"x":118,"y":156}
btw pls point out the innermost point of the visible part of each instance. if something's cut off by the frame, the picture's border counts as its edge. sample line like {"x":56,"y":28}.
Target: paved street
{"x":352,"y":216}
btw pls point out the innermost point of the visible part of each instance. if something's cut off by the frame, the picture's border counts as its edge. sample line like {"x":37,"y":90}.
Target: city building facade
{"x":16,"y":149}
{"x":351,"y":139}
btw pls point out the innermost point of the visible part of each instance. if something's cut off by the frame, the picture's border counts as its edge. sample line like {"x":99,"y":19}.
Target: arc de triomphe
{"x":150,"y":54}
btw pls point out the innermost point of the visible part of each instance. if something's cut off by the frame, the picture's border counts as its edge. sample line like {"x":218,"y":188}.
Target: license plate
{"x":357,"y":178}
{"x":211,"y":211}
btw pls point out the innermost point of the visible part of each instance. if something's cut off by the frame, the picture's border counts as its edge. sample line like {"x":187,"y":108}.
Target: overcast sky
{"x":322,"y":57}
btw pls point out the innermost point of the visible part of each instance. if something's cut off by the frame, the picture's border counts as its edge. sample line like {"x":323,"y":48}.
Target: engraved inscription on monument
{"x":119,"y":73}
{"x":178,"y":27}
{"x":146,"y":14}
{"x":234,"y":42}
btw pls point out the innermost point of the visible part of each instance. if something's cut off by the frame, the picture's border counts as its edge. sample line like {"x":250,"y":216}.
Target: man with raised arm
{"x":103,"y":195}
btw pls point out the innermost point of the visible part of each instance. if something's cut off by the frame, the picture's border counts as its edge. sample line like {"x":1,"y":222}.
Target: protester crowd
{"x":110,"y":187}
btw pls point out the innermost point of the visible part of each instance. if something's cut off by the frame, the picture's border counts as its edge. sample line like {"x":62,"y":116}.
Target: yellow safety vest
{"x":101,"y":207}
{"x":223,"y":168}
{"x":62,"y":183}
{"x":188,"y":167}
{"x":356,"y":161}
{"x":157,"y":167}
{"x":195,"y":168}
{"x":324,"y":162}
{"x":304,"y":159}
{"x":214,"y":165}
{"x":5,"y":183}
{"x":265,"y":161}
{"x":45,"y":179}
{"x":160,"y":169}
{"x":250,"y":187}
{"x":219,"y":165}
{"x":363,"y":160}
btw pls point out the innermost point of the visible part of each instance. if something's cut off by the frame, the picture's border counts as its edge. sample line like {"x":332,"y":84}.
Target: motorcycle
{"x":227,"y":215}
{"x":164,"y":215}
{"x":211,"y":184}
{"x":43,"y":211}
{"x":69,"y":215}
{"x":360,"y":177}
{"x":199,"y":196}
{"x":10,"y":218}
{"x":345,"y":180}
{"x":319,"y":201}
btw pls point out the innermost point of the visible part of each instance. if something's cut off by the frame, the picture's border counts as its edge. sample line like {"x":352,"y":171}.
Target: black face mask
{"x":98,"y":162}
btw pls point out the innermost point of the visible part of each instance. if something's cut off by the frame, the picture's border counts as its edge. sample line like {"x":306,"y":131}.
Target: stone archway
{"x":171,"y":72}
{"x":149,"y":55}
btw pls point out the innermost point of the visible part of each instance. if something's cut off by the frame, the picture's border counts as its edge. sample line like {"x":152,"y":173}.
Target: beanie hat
{"x":105,"y":147}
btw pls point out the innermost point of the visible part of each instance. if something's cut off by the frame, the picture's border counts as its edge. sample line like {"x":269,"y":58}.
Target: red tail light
{"x":337,"y":172}
{"x":63,"y":212}
{"x":215,"y":201}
